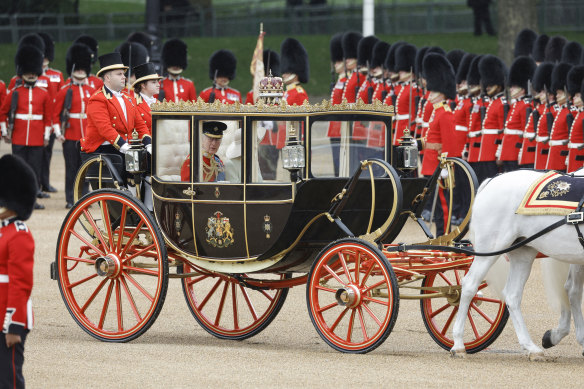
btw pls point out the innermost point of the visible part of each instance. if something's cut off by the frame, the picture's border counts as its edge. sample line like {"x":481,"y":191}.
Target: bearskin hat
{"x":435,"y":50}
{"x":271,"y":63}
{"x":365,"y":50}
{"x":553,"y":49}
{"x":19,"y":184}
{"x":174,"y":53}
{"x":294,"y":59}
{"x":560,"y":76}
{"x":29,"y":59}
{"x":542,"y":78}
{"x":79,"y":55}
{"x":49,"y":45}
{"x":538,"y":51}
{"x":572,"y":53}
{"x":224,"y":63}
{"x":91,"y":42}
{"x":350,"y":41}
{"x":473,"y":76}
{"x":32,"y":39}
{"x":439,"y":75}
{"x":463,"y":67}
{"x":574,"y":79}
{"x":455,"y":56}
{"x":391,"y":57}
{"x":419,"y":58}
{"x":133,"y":54}
{"x":524,"y":42}
{"x":336,"y":47}
{"x":405,"y":58}
{"x":142,"y":38}
{"x":379,"y":53}
{"x":492,"y":70}
{"x":521,"y":72}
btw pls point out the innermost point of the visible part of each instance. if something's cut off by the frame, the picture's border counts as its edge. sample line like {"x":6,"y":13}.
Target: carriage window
{"x":172,"y":147}
{"x":270,"y":137}
{"x":338,"y":147}
{"x":221,"y":158}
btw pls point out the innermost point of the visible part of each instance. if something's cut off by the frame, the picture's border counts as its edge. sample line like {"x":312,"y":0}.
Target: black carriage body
{"x":273,"y":225}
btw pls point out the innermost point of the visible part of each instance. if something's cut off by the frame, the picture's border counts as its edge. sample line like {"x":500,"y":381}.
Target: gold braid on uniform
{"x":211,"y":169}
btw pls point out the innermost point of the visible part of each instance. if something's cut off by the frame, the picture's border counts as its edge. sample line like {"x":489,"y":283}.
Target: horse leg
{"x":470,"y":284}
{"x":574,"y":289}
{"x":521,"y":261}
{"x":557,"y":279}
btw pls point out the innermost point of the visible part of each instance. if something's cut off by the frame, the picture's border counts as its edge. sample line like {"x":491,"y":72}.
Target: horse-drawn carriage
{"x":238,"y":245}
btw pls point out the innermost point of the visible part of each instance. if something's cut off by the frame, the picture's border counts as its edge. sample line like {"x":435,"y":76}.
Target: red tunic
{"x":179,"y":89}
{"x":106,"y":122}
{"x":2,"y":91}
{"x":513,"y":133}
{"x":364,"y":90}
{"x":55,"y":79}
{"x":576,"y":145}
{"x":225,"y":95}
{"x":334,"y":130}
{"x":144,"y":111}
{"x":528,"y":145}
{"x":542,"y":137}
{"x":379,"y":88}
{"x":474,"y":129}
{"x":403,"y":112}
{"x":461,"y":121}
{"x":355,"y":79}
{"x":558,"y":141}
{"x":33,"y":115}
{"x":16,"y":276}
{"x":43,"y":81}
{"x":78,"y":112}
{"x":294,"y":95}
{"x":441,"y":130}
{"x":492,"y":131}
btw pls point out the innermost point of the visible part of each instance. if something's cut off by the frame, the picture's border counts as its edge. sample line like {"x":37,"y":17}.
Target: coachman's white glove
{"x":125,"y":148}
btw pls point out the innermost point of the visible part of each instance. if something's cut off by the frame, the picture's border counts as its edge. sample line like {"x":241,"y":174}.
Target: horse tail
{"x":555,"y":274}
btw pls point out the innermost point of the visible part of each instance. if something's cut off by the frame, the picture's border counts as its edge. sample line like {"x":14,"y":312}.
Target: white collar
{"x":148,"y":100}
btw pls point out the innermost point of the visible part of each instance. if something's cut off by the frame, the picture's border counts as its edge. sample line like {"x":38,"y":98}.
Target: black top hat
{"x":29,"y":59}
{"x":142,"y":38}
{"x":574,"y":81}
{"x":174,"y":53}
{"x":294,"y":59}
{"x":462,"y":72}
{"x":222,"y":63}
{"x":405,"y":58}
{"x":91,"y":42}
{"x":439,"y":75}
{"x":473,"y":76}
{"x":111,"y":61}
{"x":19,"y":186}
{"x":133,"y":54}
{"x":350,"y":41}
{"x":145,"y":72}
{"x":336,"y":47}
{"x":521,"y":72}
{"x":553,"y":49}
{"x":365,"y":50}
{"x":80,"y":56}
{"x":524,"y":42}
{"x":271,"y":63}
{"x":560,"y":76}
{"x":454,"y":57}
{"x":572,"y":53}
{"x":214,"y":129}
{"x":492,"y":70}
{"x":542,"y":78}
{"x":379,"y":53}
{"x":49,"y":45}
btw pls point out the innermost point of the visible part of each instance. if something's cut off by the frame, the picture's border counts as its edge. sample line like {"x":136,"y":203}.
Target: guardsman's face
{"x":222,"y":81}
{"x":79,"y":74}
{"x":115,"y":79}
{"x":30,"y":77}
{"x":516,"y":92}
{"x":174,"y":69}
{"x":339,"y":67}
{"x":578,"y":100}
{"x":210,"y":145}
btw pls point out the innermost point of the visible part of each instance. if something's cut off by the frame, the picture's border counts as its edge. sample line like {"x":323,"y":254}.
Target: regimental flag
{"x":257,"y":64}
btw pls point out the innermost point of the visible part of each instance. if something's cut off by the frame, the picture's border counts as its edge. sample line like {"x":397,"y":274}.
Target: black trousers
{"x":72,"y":164}
{"x":46,"y":168}
{"x":11,"y":361}
{"x":509,"y":166}
{"x":482,"y":16}
{"x":33,"y":155}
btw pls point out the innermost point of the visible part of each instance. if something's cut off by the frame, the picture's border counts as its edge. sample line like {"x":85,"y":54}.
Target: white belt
{"x":474,"y":134}
{"x":575,"y":145}
{"x":458,"y":127}
{"x":80,"y":115}
{"x":512,"y":132}
{"x":3,"y":278}
{"x":418,"y":120}
{"x":529,"y":135}
{"x":425,"y":124}
{"x":561,"y":142}
{"x":542,"y":138}
{"x":402,"y":117}
{"x":491,"y":131}
{"x":26,"y":116}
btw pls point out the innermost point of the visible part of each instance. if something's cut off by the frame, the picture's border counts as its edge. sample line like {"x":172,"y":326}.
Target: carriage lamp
{"x":136,"y":155}
{"x":293,"y":155}
{"x":407,"y":152}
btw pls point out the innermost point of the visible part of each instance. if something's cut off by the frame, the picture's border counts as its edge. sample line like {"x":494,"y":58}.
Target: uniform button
{"x":142,"y":114}
{"x":115,"y":118}
{"x":114,"y":124}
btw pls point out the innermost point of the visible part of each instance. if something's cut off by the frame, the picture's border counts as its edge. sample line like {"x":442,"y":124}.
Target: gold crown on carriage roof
{"x":271,"y":89}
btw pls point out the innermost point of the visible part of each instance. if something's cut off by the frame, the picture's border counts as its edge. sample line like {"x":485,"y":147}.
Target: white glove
{"x":48,"y":132}
{"x":520,"y":154}
{"x":57,"y":129}
{"x":444,"y":173}
{"x":125,"y":148}
{"x":498,"y":153}
{"x":149,"y":149}
{"x":268,"y":125}
{"x":3,"y":129}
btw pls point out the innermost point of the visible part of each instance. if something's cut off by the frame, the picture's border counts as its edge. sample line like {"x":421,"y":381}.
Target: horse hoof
{"x":537,"y":357}
{"x":546,"y":340}
{"x":460,"y":354}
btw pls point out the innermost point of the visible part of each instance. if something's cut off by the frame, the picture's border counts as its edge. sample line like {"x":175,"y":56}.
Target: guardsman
{"x":406,"y":92}
{"x":524,"y":43}
{"x":142,"y":38}
{"x":212,"y":167}
{"x":477,"y":113}
{"x":440,"y":82}
{"x":145,"y":87}
{"x":455,"y":56}
{"x":376,"y":132}
{"x":337,"y":89}
{"x":222,"y":70}
{"x":364,"y":58}
{"x":174,"y":87}
{"x":421,"y":83}
{"x":112,"y":115}
{"x":464,"y":106}
{"x":271,"y":61}
{"x":520,"y":74}
{"x":576,"y":145}
{"x":28,"y":109}
{"x":393,"y":75}
{"x":133,"y":54}
{"x":93,"y":81}
{"x":70,"y":113}
{"x":350,"y":43}
{"x":493,"y":74}
{"x":425,"y":110}
{"x":538,"y":51}
{"x":2,"y":91}
{"x":554,"y":49}
{"x":542,"y":82}
{"x":572,"y":53}
{"x":43,"y":80}
{"x":559,"y":133}
{"x":17,"y":198}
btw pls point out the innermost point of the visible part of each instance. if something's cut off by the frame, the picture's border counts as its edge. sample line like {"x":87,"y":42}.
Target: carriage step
{"x":53,"y":271}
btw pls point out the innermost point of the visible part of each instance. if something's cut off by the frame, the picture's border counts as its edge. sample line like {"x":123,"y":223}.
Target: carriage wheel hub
{"x":349,"y":296}
{"x":108,"y":266}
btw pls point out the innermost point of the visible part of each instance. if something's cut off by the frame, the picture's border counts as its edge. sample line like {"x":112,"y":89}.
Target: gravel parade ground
{"x":177,"y":353}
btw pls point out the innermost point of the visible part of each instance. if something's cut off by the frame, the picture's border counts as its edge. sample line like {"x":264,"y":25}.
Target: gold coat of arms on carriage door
{"x":219,"y":231}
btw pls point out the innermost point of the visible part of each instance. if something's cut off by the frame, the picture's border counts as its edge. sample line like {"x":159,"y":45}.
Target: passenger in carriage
{"x":213,"y":168}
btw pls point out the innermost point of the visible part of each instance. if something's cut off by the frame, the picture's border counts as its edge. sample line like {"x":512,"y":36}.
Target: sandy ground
{"x":177,"y":353}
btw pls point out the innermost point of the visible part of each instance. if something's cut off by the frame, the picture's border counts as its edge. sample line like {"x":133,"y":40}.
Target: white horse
{"x":495,"y":226}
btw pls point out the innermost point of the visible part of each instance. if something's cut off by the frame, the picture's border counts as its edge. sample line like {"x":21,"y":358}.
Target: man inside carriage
{"x":212,"y":167}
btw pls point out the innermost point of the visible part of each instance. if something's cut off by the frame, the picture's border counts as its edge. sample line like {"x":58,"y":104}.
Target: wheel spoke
{"x":221,"y":303}
{"x":334,"y":275}
{"x":197,"y":279}
{"x":119,"y":306}
{"x":327,"y":307}
{"x":139,"y":287}
{"x":131,"y":300}
{"x":446,"y":279}
{"x":141,"y":270}
{"x":93,"y":295}
{"x":373,"y":316}
{"x":440,"y":310}
{"x":487,"y":300}
{"x":100,"y":252}
{"x":336,"y":323}
{"x":344,"y":265}
{"x":383,"y":281}
{"x":122,"y":227}
{"x":367,"y":298}
{"x":138,"y":253}
{"x":71,"y":286}
{"x":366,"y":276}
{"x":77,"y":259}
{"x":362,"y":322}
{"x":209,"y":295}
{"x":249,"y":303}
{"x":105,"y":305}
{"x":234,"y":302}
{"x":351,"y":324}
{"x":449,"y":321}
{"x":320,"y":287}
{"x":480,"y":312}
{"x":106,"y":221}
{"x":473,"y":325}
{"x":132,"y":237}
{"x":357,"y":268}
{"x":95,"y":228}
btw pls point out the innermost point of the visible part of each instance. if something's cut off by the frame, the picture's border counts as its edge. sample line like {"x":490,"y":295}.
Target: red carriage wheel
{"x":486,"y":318}
{"x":352,"y":296}
{"x":111,"y":266}
{"x":227,"y":308}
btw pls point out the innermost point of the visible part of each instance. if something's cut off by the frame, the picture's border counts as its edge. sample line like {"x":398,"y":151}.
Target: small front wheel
{"x":352,"y":296}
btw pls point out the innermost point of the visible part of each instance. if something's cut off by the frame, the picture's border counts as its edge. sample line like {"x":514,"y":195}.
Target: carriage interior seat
{"x":173,"y":147}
